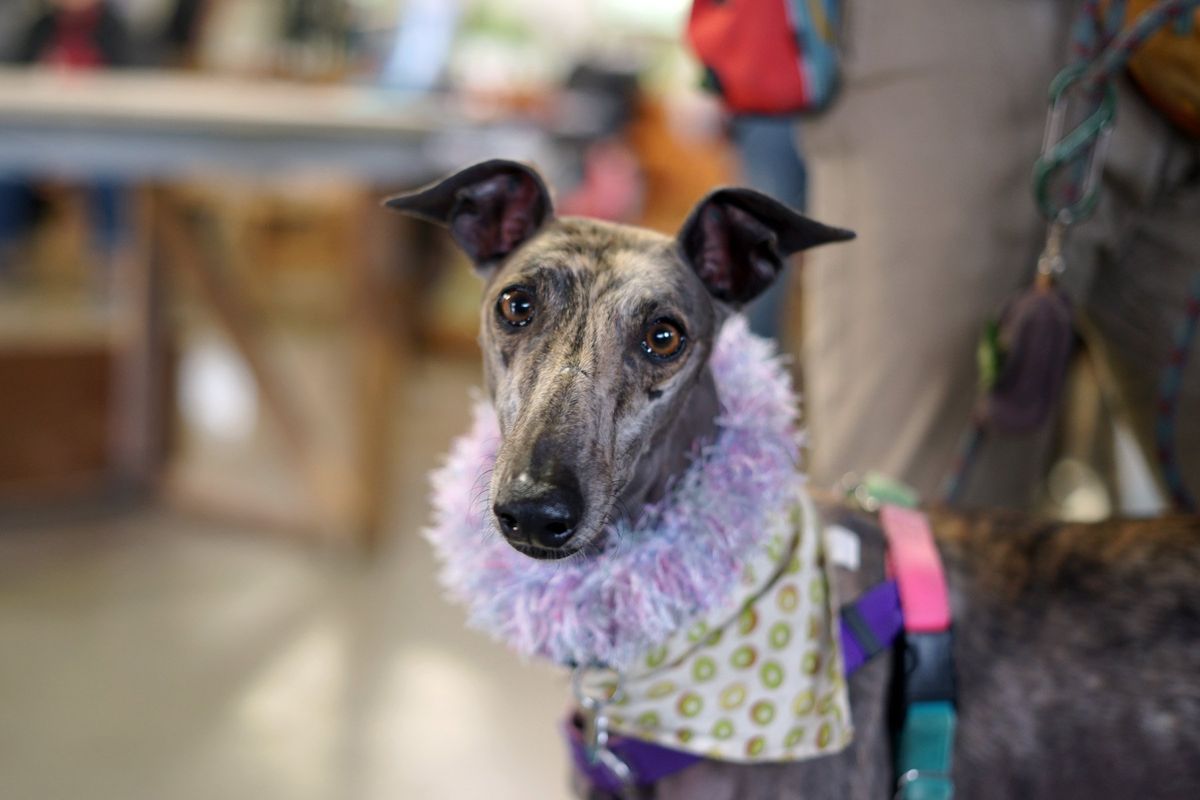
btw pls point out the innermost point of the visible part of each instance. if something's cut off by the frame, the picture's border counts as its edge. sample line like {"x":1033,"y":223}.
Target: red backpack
{"x":767,"y":56}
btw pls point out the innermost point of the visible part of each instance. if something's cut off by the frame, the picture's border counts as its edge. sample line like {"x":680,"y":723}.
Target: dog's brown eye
{"x":663,"y":340}
{"x":515,"y":307}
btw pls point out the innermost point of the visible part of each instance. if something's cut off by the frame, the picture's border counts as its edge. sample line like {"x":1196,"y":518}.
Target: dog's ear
{"x":737,"y":241}
{"x":491,"y":208}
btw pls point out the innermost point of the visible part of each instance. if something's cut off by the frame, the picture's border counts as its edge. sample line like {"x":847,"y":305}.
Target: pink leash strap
{"x":914,"y":561}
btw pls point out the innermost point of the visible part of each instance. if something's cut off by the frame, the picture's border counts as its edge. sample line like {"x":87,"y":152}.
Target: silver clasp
{"x":912,"y":775}
{"x":595,"y":688}
{"x":1051,"y":264}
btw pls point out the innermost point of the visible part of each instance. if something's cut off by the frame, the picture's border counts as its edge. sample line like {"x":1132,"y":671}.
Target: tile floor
{"x":155,"y":655}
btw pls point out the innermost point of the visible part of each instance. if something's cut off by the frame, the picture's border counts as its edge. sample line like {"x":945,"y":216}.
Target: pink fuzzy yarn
{"x":677,"y":560}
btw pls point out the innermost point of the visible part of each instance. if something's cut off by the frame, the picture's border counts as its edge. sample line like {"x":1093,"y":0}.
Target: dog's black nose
{"x":541,"y":514}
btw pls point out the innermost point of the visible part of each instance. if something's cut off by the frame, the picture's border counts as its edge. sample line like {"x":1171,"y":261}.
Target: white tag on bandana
{"x":759,"y":679}
{"x":844,"y":548}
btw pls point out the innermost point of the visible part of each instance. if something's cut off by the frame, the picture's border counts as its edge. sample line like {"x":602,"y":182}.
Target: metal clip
{"x":1088,"y":140}
{"x":595,"y":688}
{"x":875,"y":490}
{"x":622,"y":771}
{"x":1051,"y":264}
{"x":595,"y":734}
{"x":912,"y":776}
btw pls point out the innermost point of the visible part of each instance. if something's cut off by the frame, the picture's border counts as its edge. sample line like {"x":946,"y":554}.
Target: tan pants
{"x":928,"y":155}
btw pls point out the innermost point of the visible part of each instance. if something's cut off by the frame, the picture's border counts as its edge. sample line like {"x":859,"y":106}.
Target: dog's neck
{"x":670,"y":449}
{"x":679,"y":558}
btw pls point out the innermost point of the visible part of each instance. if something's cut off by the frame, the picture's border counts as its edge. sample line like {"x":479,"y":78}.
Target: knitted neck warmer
{"x":678,"y":560}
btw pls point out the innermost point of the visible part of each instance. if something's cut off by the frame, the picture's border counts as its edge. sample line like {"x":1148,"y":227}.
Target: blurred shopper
{"x":772,"y":162}
{"x":74,"y":34}
{"x":928,"y":155}
{"x":769,"y":60}
{"x":68,"y":35}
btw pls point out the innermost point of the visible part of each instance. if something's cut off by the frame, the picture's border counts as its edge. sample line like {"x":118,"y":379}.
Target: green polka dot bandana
{"x":760,"y":678}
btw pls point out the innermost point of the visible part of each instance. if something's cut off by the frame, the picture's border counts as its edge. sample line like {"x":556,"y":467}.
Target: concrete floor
{"x":155,"y":655}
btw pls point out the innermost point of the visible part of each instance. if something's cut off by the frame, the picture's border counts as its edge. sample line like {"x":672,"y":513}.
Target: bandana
{"x":759,"y":679}
{"x":712,"y":603}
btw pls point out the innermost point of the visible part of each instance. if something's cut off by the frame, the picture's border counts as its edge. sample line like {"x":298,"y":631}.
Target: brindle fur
{"x":1077,"y":652}
{"x":1077,"y":647}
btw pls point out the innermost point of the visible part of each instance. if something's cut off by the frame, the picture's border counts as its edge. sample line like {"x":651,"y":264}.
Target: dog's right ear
{"x":491,"y":208}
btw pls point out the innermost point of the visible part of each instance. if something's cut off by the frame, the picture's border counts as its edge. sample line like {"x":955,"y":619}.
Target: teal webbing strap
{"x":925,"y":755}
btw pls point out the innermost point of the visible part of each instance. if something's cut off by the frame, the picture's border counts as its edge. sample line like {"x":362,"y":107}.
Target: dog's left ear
{"x":491,"y":208}
{"x":737,"y":241}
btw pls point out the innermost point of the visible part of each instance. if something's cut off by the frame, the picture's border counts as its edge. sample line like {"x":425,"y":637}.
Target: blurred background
{"x":225,"y":371}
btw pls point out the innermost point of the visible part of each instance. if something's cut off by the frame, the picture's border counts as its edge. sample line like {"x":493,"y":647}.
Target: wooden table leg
{"x":375,"y":389}
{"x":136,"y":439}
{"x":190,"y":252}
{"x":379,"y":352}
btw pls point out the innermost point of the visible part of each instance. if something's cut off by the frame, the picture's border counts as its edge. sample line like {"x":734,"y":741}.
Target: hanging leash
{"x":1023,"y":358}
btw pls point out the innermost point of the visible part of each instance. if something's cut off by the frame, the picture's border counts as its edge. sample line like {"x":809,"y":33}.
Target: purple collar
{"x":869,"y":626}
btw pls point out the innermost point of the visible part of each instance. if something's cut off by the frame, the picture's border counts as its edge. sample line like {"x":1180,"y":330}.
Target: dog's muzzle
{"x":540,"y":517}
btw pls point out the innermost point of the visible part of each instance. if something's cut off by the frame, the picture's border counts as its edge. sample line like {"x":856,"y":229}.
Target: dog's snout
{"x":541,"y":514}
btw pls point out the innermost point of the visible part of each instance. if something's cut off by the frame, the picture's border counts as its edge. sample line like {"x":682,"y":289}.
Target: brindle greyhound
{"x":1077,"y":647}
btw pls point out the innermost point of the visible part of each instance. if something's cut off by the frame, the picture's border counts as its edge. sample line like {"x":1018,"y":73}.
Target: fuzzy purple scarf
{"x":679,"y":559}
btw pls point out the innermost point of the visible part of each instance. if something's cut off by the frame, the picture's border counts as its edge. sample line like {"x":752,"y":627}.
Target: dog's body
{"x":1077,"y":659}
{"x":1077,"y":647}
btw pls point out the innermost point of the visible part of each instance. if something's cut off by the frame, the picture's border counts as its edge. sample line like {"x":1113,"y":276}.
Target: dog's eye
{"x":515,"y":306}
{"x":664,"y":340}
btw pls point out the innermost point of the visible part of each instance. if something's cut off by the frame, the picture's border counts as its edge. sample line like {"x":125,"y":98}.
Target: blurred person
{"x":928,"y":155}
{"x":176,"y":42}
{"x":74,"y":34}
{"x":768,"y":60}
{"x":69,"y":35}
{"x":611,"y":183}
{"x":772,"y":161}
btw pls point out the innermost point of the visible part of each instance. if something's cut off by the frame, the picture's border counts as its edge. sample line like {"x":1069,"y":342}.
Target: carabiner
{"x":1086,"y":141}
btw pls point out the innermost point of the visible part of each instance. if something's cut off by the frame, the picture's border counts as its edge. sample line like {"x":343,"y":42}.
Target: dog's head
{"x":596,"y":338}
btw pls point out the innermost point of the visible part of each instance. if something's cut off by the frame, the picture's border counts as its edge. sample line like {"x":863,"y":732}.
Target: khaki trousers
{"x":928,"y":154}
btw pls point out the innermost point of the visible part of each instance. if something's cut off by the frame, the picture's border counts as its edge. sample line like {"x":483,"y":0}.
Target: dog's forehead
{"x":591,"y":237}
{"x":619,"y":261}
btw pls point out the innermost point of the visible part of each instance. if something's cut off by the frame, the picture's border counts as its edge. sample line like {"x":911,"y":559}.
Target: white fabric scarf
{"x":761,"y":677}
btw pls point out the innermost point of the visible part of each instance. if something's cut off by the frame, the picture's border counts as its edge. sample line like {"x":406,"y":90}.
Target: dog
{"x":1076,"y":647}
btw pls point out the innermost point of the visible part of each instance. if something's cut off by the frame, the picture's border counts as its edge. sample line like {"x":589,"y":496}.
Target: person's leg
{"x":927,"y":154}
{"x":1138,"y":304}
{"x":19,"y":206}
{"x":1136,"y":267}
{"x":106,"y":206}
{"x":772,"y":163}
{"x":109,"y":221}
